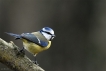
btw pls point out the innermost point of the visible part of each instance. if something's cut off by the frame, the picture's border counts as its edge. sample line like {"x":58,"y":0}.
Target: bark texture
{"x":9,"y":57}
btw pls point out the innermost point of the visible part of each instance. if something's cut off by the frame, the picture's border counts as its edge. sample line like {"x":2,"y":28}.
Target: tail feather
{"x":14,"y":35}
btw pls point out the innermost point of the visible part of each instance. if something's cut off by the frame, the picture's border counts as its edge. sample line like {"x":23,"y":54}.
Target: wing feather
{"x":32,"y":38}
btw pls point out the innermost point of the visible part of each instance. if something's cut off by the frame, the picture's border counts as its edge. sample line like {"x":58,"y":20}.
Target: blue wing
{"x":14,"y":35}
{"x":32,"y":38}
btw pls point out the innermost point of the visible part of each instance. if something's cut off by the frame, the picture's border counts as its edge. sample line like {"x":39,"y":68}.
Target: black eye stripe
{"x":46,"y":32}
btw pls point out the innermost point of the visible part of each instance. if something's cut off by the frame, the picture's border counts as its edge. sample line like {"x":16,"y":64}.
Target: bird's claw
{"x":35,"y":62}
{"x":21,"y":52}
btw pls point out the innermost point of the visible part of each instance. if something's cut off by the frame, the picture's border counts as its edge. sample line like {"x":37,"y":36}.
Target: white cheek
{"x":48,"y":37}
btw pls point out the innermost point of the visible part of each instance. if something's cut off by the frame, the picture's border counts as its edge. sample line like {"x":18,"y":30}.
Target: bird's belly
{"x":34,"y":48}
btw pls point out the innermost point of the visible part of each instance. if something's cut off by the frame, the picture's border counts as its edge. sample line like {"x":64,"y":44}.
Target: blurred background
{"x":79,"y":25}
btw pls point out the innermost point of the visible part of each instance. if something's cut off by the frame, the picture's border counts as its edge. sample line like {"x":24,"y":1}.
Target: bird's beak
{"x":53,"y":35}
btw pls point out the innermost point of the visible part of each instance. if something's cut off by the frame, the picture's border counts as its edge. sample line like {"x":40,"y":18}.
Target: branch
{"x":8,"y":56}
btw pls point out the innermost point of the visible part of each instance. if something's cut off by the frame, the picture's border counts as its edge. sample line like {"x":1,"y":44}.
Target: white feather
{"x":47,"y":36}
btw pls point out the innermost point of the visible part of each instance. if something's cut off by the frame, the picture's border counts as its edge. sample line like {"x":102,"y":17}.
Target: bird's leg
{"x":21,"y":52}
{"x":35,"y":61}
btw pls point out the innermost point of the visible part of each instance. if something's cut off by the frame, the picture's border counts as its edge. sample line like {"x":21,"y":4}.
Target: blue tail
{"x":14,"y":35}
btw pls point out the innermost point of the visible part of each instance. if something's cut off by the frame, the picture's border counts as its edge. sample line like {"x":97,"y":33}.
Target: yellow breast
{"x":34,"y":48}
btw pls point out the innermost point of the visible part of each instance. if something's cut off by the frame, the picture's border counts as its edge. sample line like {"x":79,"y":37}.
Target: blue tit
{"x":36,"y":42}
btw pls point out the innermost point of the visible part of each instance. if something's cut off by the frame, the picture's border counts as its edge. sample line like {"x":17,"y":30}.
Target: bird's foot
{"x":35,"y":62}
{"x":21,"y":52}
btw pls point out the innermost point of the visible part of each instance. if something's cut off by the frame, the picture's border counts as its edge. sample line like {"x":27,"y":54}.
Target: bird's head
{"x":48,"y":33}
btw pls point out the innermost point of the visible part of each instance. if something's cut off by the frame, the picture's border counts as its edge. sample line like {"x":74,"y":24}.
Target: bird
{"x":35,"y":42}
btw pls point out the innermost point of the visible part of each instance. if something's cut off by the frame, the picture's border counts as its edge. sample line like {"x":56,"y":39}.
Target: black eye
{"x":48,"y":33}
